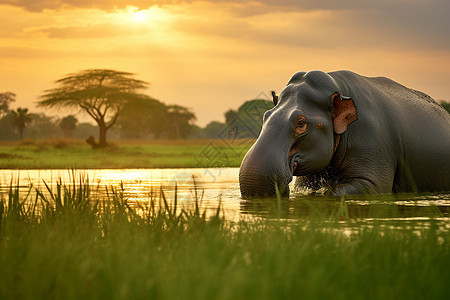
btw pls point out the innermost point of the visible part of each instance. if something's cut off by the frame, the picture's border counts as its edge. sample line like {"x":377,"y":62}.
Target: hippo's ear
{"x":344,"y":112}
{"x":274,"y":98}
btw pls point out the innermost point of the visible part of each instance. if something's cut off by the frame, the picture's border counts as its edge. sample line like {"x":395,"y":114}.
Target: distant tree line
{"x":151,"y":119}
{"x":245,"y":122}
{"x":21,"y":124}
{"x":111,"y":98}
{"x":143,"y":119}
{"x":114,"y":101}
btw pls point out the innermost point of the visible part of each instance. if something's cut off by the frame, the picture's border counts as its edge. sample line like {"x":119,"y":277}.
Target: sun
{"x":139,"y":16}
{"x":136,"y":15}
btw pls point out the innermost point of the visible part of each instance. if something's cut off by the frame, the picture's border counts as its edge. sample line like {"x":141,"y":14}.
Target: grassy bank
{"x":76,"y":244}
{"x":63,"y":154}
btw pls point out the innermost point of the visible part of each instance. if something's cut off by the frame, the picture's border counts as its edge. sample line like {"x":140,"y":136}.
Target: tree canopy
{"x":142,"y":118}
{"x":180,"y":119}
{"x":68,"y":124}
{"x":247,"y":121}
{"x":446,"y":105}
{"x":5,"y":99}
{"x":150,"y":118}
{"x":101,"y":93}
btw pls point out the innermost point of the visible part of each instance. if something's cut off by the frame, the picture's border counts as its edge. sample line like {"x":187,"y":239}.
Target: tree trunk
{"x":102,"y":135}
{"x":21,"y":130}
{"x":177,"y":131}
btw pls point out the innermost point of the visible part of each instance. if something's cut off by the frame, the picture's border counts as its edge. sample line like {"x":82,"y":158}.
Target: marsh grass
{"x":71,"y":242}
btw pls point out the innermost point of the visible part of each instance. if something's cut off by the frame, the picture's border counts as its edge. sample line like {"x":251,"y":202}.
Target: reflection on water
{"x":220,"y":186}
{"x":402,"y":210}
{"x":213,"y":187}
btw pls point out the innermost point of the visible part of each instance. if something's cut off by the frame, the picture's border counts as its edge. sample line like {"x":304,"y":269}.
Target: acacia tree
{"x":99,"y":92}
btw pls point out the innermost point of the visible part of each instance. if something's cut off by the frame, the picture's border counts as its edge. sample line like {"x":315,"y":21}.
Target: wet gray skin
{"x":357,"y":134}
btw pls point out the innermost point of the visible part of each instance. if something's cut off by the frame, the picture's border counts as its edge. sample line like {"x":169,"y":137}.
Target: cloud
{"x":104,"y":30}
{"x":419,"y":28}
{"x":34,"y":5}
{"x":327,"y":23}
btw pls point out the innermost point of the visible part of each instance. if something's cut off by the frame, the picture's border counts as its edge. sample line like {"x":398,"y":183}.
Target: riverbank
{"x":76,"y":154}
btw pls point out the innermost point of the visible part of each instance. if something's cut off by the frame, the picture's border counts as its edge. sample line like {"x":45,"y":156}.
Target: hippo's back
{"x":416,"y":125}
{"x":422,"y":130}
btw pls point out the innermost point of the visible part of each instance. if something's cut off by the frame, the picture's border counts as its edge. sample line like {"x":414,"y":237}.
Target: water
{"x":220,"y":186}
{"x":213,"y":187}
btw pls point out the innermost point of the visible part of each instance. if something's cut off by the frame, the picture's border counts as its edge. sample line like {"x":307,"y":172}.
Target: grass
{"x":74,"y":242}
{"x":64,"y":154}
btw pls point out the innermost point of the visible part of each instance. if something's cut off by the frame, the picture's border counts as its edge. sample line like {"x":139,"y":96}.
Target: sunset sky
{"x":211,"y":56}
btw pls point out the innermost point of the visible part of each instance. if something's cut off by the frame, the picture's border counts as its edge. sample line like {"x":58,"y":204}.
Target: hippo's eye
{"x":301,"y":126}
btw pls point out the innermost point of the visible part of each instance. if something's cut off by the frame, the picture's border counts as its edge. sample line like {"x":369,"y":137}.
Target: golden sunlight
{"x":136,"y":15}
{"x":132,"y":14}
{"x":139,"y":16}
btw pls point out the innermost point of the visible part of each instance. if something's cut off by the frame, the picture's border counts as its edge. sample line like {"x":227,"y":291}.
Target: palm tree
{"x":20,"y":119}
